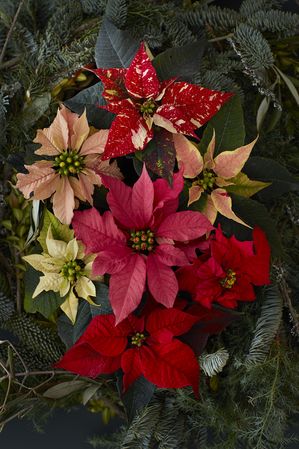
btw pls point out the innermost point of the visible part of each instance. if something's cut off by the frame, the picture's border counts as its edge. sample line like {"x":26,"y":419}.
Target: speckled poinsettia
{"x":66,"y":270}
{"x":140,"y":346}
{"x":73,"y":166}
{"x":228,"y":273}
{"x":140,"y":101}
{"x":211,"y":175}
{"x":135,"y":242}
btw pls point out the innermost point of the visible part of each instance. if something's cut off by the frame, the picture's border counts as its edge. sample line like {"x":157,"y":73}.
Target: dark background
{"x":71,"y":429}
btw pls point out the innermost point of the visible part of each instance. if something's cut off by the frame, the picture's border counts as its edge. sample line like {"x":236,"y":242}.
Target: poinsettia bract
{"x":135,"y":242}
{"x":229,"y":272}
{"x":73,"y":166}
{"x":140,"y":101}
{"x":140,"y":346}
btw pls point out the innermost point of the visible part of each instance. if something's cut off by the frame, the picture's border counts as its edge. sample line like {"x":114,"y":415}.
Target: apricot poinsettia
{"x":135,"y":242}
{"x":140,"y":101}
{"x":229,"y":272}
{"x":140,"y":346}
{"x":73,"y":166}
{"x":211,"y":175}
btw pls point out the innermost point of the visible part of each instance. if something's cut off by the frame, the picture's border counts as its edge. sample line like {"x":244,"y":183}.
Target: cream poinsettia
{"x":66,"y":270}
{"x":73,"y":166}
{"x":211,"y":176}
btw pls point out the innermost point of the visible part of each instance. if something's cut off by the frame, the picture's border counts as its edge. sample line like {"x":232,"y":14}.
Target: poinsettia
{"x":135,"y":242}
{"x":229,"y":272}
{"x":140,"y":346}
{"x":212,"y":175}
{"x":66,"y":270}
{"x":140,"y":101}
{"x":73,"y":166}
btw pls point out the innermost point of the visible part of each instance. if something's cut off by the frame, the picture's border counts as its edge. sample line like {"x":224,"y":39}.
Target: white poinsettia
{"x":66,"y":270}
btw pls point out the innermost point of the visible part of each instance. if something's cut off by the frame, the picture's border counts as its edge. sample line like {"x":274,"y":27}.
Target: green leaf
{"x":46,"y":303}
{"x":114,"y":47}
{"x":229,"y":128}
{"x":65,"y":330}
{"x":103,"y":306}
{"x":89,"y":393}
{"x":59,"y":230}
{"x":138,"y":396}
{"x":82,"y":320}
{"x":244,"y":186}
{"x":159,"y":155}
{"x":90,"y":99}
{"x":179,"y":62}
{"x":255,"y":214}
{"x":64,"y":389}
{"x":35,"y":109}
{"x":262,"y":112}
{"x":289,"y":85}
{"x":282,"y":181}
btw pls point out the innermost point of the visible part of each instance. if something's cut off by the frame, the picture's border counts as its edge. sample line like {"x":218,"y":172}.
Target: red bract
{"x":140,"y":100}
{"x":135,"y":242}
{"x":229,"y":273}
{"x":140,"y":346}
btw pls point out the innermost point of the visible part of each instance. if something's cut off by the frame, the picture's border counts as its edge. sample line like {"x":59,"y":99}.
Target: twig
{"x":284,"y":289}
{"x":10,"y":63}
{"x":11,"y":30}
{"x":221,"y":38}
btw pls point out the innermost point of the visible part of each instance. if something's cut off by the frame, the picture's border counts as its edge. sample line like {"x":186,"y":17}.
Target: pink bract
{"x":135,"y":240}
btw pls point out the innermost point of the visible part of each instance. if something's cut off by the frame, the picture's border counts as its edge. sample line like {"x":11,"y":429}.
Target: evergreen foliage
{"x":249,"y":398}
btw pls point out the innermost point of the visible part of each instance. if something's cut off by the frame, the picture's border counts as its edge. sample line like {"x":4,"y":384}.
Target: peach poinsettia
{"x":73,"y":166}
{"x":211,"y":175}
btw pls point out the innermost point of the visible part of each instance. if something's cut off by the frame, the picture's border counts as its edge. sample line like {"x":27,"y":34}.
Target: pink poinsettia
{"x":135,"y":242}
{"x":140,"y":346}
{"x":73,"y":166}
{"x":211,"y":175}
{"x":229,"y":271}
{"x":140,"y":101}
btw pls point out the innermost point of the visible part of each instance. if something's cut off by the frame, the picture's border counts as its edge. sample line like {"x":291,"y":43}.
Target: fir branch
{"x":211,"y":364}
{"x":254,"y":48}
{"x":285,"y":24}
{"x":116,"y":11}
{"x":266,"y":327}
{"x":248,"y":7}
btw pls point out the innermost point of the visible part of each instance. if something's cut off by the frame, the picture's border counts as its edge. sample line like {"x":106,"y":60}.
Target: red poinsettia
{"x":140,"y":101}
{"x":135,"y":242}
{"x":229,"y":272}
{"x":140,"y":346}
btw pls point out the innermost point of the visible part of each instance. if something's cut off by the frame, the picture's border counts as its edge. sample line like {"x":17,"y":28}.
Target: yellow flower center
{"x":206,"y":181}
{"x":148,"y":107}
{"x":138,"y":339}
{"x":142,"y":240}
{"x":229,"y":280}
{"x":72,"y":270}
{"x":69,"y":163}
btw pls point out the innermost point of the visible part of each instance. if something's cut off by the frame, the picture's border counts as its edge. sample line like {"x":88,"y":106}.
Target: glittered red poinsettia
{"x":229,"y":272}
{"x":140,"y":101}
{"x":140,"y":346}
{"x":135,"y":242}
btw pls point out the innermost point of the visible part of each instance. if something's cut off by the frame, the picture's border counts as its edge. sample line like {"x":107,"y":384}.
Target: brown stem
{"x":10,"y":63}
{"x":11,"y":30}
{"x":284,"y":289}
